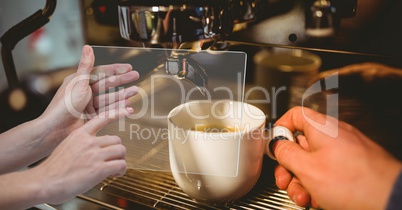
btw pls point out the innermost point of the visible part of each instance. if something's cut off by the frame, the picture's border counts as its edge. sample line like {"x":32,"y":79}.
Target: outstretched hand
{"x":77,"y":159}
{"x":85,"y":94}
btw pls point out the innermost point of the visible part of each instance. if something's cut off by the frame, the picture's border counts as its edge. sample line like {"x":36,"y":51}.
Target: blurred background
{"x":56,"y":45}
{"x":341,"y":32}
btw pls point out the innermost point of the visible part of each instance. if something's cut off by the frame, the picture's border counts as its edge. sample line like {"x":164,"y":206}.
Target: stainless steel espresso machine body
{"x":340,"y":32}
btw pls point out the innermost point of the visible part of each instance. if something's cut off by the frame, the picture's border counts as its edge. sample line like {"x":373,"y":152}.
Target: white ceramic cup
{"x":215,"y":167}
{"x":219,"y":167}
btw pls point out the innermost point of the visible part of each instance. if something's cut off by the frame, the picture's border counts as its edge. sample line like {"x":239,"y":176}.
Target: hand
{"x":348,"y":171}
{"x":81,"y":161}
{"x":82,"y":94}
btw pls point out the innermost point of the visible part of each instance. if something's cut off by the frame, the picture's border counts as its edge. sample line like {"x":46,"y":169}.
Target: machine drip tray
{"x":158,"y":190}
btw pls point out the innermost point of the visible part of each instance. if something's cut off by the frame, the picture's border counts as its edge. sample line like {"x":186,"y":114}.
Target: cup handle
{"x":275,"y":134}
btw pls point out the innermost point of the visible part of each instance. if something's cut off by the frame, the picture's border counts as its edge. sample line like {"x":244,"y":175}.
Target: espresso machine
{"x":340,"y":32}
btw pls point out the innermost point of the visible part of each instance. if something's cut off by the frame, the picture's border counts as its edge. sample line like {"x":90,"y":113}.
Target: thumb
{"x":87,"y":60}
{"x":291,"y":156}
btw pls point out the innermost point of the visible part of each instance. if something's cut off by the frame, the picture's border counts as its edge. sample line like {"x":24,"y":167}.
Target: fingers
{"x":295,"y":119}
{"x":114,"y":106}
{"x":112,"y":148}
{"x":114,"y":81}
{"x":105,"y":141}
{"x":314,"y":204}
{"x":111,"y":98}
{"x":96,"y":124}
{"x":114,"y":152}
{"x":87,"y":61}
{"x":302,"y":141}
{"x":291,"y":156}
{"x":113,"y":155}
{"x":105,"y":71}
{"x":116,"y":167}
{"x":314,"y":125}
{"x":297,"y":193}
{"x":104,"y":77}
{"x":282,"y":177}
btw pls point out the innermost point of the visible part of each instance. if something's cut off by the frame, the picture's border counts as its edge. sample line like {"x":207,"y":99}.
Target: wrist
{"x":37,"y":185}
{"x":51,"y":135}
{"x":21,"y":190}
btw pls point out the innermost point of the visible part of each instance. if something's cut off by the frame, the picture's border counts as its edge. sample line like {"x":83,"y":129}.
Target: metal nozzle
{"x":182,"y":66}
{"x":320,"y":19}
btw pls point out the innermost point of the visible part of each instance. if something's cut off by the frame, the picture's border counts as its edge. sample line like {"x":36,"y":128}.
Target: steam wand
{"x":17,"y":33}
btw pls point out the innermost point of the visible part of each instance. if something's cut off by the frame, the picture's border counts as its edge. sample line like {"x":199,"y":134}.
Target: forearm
{"x":25,"y":144}
{"x":20,"y":190}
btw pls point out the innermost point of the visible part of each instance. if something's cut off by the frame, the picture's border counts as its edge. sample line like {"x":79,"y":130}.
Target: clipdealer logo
{"x":76,"y":93}
{"x":328,"y":84}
